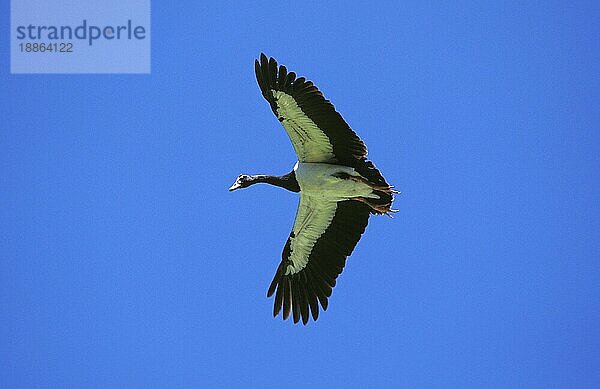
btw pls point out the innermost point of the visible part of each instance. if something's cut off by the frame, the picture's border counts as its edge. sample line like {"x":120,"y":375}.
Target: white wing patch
{"x":313,"y":218}
{"x":311,"y":144}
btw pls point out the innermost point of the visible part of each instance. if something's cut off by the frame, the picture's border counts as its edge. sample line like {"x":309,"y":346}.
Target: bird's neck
{"x":287,"y":181}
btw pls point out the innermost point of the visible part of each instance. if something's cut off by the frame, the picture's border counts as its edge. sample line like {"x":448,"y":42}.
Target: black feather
{"x":287,"y":297}
{"x":278,"y":299}
{"x":303,"y":301}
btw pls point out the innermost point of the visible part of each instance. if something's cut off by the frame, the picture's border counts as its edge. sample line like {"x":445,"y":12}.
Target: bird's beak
{"x":234,"y":187}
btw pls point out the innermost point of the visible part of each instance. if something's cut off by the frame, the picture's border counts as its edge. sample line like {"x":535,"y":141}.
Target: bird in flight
{"x":339,"y":189}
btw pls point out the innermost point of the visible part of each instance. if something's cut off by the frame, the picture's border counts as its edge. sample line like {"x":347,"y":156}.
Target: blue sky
{"x":126,"y":263}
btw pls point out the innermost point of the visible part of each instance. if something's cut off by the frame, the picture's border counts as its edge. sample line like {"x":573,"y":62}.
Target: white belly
{"x":317,"y":179}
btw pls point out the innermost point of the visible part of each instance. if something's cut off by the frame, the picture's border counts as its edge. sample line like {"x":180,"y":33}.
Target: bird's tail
{"x":383,"y":204}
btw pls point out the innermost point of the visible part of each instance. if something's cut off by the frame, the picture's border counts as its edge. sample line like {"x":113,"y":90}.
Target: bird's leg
{"x":382,"y":209}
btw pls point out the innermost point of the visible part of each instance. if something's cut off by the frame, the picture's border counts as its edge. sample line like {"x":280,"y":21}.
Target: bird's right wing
{"x":324,"y":234}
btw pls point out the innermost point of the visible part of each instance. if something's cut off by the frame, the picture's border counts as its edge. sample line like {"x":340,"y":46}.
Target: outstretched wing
{"x":324,"y":234}
{"x":317,"y":131}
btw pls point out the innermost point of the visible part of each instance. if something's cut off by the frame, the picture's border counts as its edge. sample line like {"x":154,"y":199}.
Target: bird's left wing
{"x":324,"y":234}
{"x":317,"y":131}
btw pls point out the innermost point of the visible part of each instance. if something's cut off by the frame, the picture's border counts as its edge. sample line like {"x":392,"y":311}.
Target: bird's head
{"x":243,"y":181}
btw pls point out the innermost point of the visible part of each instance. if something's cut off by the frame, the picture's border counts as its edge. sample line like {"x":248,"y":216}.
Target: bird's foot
{"x":385,"y":189}
{"x":389,"y":189}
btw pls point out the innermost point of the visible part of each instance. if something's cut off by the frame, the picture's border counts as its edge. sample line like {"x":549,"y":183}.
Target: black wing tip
{"x":274,"y":284}
{"x":266,"y":70}
{"x":296,"y":301}
{"x":289,"y":303}
{"x":296,"y":320}
{"x":262,"y":54}
{"x":263,"y":59}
